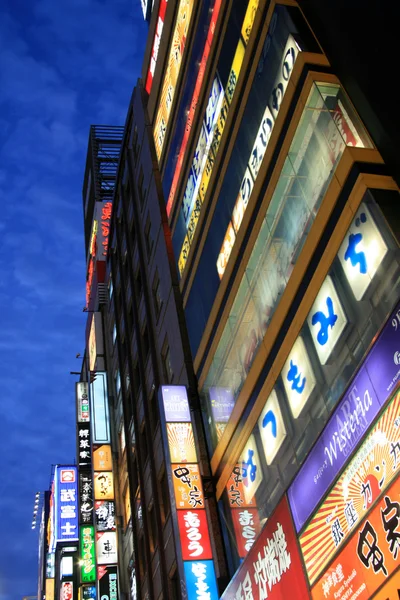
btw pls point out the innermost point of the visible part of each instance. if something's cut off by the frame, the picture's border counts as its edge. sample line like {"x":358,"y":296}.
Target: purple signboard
{"x":176,"y":405}
{"x":66,"y":504}
{"x":361,"y":403}
{"x":222,"y":403}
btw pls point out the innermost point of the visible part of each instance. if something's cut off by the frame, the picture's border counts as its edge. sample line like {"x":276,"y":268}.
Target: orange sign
{"x":187,"y":486}
{"x":368,"y":474}
{"x":235,"y":489}
{"x":102,"y":458}
{"x":390,"y":591}
{"x":181,"y":443}
{"x":103,"y":486}
{"x":370,"y":557}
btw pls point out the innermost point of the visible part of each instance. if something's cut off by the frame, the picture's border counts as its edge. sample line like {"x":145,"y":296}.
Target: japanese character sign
{"x":298,"y":377}
{"x":327,"y":320}
{"x":187,"y":486}
{"x":66,"y":504}
{"x":362,"y":252}
{"x":194,"y":536}
{"x":251,"y":469}
{"x":271,"y":427}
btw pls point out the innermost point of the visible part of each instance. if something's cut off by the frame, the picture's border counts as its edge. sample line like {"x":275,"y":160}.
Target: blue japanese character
{"x":270,"y":418}
{"x":249,"y":465}
{"x":324,"y":321}
{"x":356,"y":258}
{"x":294,"y":376}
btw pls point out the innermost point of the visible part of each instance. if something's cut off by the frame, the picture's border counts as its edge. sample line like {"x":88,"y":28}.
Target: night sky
{"x":63,"y":66}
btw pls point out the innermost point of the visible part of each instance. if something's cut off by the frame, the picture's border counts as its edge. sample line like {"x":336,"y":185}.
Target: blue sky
{"x":63,"y":66}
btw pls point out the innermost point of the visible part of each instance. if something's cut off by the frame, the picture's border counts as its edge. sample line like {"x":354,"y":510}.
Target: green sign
{"x":88,"y":556}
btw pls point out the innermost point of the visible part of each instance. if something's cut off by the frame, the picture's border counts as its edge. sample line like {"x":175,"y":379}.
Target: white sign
{"x":326,"y":320}
{"x":251,"y":468}
{"x":271,"y":427}
{"x":106,"y":548}
{"x":362,"y":252}
{"x":298,"y":377}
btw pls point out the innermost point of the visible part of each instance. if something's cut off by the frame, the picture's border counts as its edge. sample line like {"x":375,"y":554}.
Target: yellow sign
{"x":102,"y":458}
{"x":390,"y":591}
{"x":172,"y":73}
{"x":49,"y":590}
{"x":249,"y":20}
{"x":181,"y":443}
{"x":103,"y":486}
{"x":235,"y":69}
{"x":187,"y":486}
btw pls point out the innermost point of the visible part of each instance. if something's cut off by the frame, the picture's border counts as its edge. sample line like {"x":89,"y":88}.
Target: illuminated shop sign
{"x":271,"y":427}
{"x":84,"y":452}
{"x":88,"y":592}
{"x":66,"y":566}
{"x":50,"y":565}
{"x":251,"y":468}
{"x":200,"y":580}
{"x":367,"y":476}
{"x":362,"y":252}
{"x":187,"y":486}
{"x":156,"y":44}
{"x":66,"y":504}
{"x":272,"y":569}
{"x":222,"y":403}
{"x":82,"y":402}
{"x":298,"y":377}
{"x":106,"y":548}
{"x":175,"y":401}
{"x":193,"y":103}
{"x":368,"y":391}
{"x":105,"y":515}
{"x":190,"y":517}
{"x":85,"y":498}
{"x":235,"y":490}
{"x":88,"y":554}
{"x":103,"y":485}
{"x":95,"y":343}
{"x":66,"y":590}
{"x":99,"y":409}
{"x":246,"y":523}
{"x":49,"y":588}
{"x":258,"y":151}
{"x":102,"y":458}
{"x":248,"y":21}
{"x":327,"y":320}
{"x":108,"y":582}
{"x":171,"y":76}
{"x":219,"y":119}
{"x":370,"y":557}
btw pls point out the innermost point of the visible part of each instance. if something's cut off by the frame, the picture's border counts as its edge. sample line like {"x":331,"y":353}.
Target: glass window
{"x":321,"y":136}
{"x":157,"y":300}
{"x":166,"y":363}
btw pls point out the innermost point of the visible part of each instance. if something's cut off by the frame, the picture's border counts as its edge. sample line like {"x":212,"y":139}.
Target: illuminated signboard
{"x":368,"y":391}
{"x":105,"y":515}
{"x":235,"y":490}
{"x":369,"y":558}
{"x":326,"y":320}
{"x":108,"y":582}
{"x":248,"y":21}
{"x":272,"y":427}
{"x":95,"y":343}
{"x":106,"y":548}
{"x":66,"y":566}
{"x":193,"y":103}
{"x":368,"y":474}
{"x":259,"y":149}
{"x":174,"y":63}
{"x":83,"y":438}
{"x":103,"y":485}
{"x":189,"y":516}
{"x":391,"y":590}
{"x":156,"y":44}
{"x":102,"y":458}
{"x":88,"y":554}
{"x":187,"y":486}
{"x":66,"y":590}
{"x":50,"y":565}
{"x":175,"y":401}
{"x":362,"y":252}
{"x":49,"y":589}
{"x":246,"y":523}
{"x":88,"y":592}
{"x":272,"y":569}
{"x":66,"y":504}
{"x":105,"y":222}
{"x":99,"y":409}
{"x":193,"y":533}
{"x":222,"y":403}
{"x":82,"y":402}
{"x":251,"y":469}
{"x":298,"y":377}
{"x":85,"y":498}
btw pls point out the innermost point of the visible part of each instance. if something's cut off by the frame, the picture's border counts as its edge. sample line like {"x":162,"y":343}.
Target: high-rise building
{"x":242,"y":346}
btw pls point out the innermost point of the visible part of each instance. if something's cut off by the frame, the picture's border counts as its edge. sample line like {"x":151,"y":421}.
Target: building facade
{"x":242,"y":345}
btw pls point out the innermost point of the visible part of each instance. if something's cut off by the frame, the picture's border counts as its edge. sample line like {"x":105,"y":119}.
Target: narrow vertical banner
{"x":66,"y":504}
{"x":88,"y":557}
{"x":189,"y":514}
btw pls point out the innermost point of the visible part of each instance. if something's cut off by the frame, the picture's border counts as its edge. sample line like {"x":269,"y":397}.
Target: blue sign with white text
{"x":66,"y":504}
{"x":200,"y":580}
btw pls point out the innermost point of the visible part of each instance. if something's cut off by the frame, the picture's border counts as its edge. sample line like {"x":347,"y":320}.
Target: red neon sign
{"x":105,"y":225}
{"x":156,"y":45}
{"x":193,"y":104}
